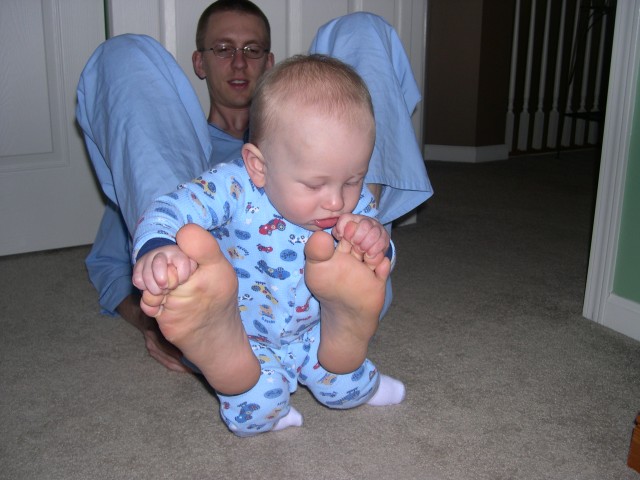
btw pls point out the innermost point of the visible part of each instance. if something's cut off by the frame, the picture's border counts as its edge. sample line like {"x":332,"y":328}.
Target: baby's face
{"x":315,"y":167}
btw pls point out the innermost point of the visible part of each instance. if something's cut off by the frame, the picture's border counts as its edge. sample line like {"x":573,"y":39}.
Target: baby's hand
{"x":369,"y":239}
{"x":162,"y":270}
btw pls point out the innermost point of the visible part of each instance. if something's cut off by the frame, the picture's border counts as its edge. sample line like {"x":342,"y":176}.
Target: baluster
{"x":553,"y":136}
{"x":582,"y":107}
{"x":523,"y":128}
{"x":538,"y":123}
{"x":594,"y":127}
{"x":568,"y":108}
{"x":508,"y":136}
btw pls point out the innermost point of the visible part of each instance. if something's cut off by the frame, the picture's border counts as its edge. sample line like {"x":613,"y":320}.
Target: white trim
{"x":168,"y":29}
{"x":416,"y":46}
{"x":408,"y":219}
{"x":623,"y":316}
{"x":294,"y":28}
{"x":615,"y":153}
{"x":454,"y":153}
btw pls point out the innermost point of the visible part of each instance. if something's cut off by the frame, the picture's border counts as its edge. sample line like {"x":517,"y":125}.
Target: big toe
{"x":198,"y":244}
{"x":319,"y":247}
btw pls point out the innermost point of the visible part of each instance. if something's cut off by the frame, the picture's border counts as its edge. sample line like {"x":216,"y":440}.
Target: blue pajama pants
{"x":258,"y":409}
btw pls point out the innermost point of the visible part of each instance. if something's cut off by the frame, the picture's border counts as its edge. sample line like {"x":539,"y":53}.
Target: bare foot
{"x":202,"y":319}
{"x":351,"y":296}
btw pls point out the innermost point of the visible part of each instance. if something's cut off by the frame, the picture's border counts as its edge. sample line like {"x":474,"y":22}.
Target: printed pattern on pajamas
{"x":279,"y":313}
{"x":261,"y":407}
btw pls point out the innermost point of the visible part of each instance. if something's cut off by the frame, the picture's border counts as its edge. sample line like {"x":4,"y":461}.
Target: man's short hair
{"x":241,"y":6}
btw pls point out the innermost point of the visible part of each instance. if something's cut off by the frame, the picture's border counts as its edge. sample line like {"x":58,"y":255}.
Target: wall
{"x":467,"y":79}
{"x":453,"y":58}
{"x":627,"y":270}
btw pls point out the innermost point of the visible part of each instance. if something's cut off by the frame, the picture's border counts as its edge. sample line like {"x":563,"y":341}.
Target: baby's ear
{"x":254,"y":163}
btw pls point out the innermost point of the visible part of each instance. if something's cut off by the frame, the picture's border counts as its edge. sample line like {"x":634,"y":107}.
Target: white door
{"x":48,"y":195}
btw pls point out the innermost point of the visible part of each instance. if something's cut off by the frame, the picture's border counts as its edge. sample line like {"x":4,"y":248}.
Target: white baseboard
{"x":623,"y":316}
{"x":454,"y":153}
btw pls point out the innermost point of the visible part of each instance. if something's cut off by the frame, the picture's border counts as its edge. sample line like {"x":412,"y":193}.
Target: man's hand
{"x":158,"y":347}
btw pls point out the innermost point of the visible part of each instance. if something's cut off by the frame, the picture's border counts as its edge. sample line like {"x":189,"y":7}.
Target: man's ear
{"x":196,"y":59}
{"x":254,"y":163}
{"x":271,"y":60}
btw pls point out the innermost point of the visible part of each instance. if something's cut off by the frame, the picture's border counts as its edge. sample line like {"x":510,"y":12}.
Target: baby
{"x":265,"y":298}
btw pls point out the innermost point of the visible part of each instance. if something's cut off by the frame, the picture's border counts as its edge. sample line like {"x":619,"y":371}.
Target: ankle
{"x":341,"y":360}
{"x":237,"y":375}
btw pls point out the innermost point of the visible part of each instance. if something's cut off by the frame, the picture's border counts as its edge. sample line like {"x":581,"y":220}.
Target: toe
{"x":198,"y":244}
{"x":320,"y":247}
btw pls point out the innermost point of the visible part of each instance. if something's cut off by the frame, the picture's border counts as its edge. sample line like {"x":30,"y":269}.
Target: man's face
{"x":232,"y":81}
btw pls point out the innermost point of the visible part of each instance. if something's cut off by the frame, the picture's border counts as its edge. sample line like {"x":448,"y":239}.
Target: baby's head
{"x":312,"y":133}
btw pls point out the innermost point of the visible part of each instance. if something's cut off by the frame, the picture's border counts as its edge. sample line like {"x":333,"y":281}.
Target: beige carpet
{"x":505,"y":378}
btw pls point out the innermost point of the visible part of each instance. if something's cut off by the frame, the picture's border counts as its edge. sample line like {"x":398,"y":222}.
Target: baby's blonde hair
{"x":324,"y":83}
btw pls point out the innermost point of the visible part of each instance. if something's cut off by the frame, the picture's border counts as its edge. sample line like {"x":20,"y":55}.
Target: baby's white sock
{"x":390,"y":392}
{"x":291,"y":419}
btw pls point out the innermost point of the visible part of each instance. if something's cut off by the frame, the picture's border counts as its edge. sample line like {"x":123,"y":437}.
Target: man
{"x":233,"y":43}
{"x":145,"y":131}
{"x":149,"y":152}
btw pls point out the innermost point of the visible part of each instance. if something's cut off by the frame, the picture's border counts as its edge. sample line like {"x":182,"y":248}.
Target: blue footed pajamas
{"x":279,"y":314}
{"x":261,"y":407}
{"x":146,"y":133}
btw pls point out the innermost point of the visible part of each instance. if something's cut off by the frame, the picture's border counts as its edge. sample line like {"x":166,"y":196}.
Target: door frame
{"x":600,"y":303}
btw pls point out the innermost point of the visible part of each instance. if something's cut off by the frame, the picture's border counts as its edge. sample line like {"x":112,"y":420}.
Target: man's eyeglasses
{"x":224,"y":50}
